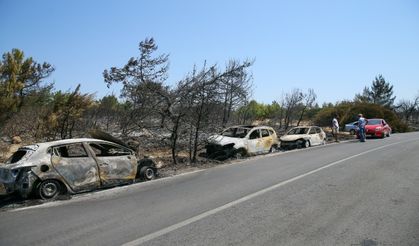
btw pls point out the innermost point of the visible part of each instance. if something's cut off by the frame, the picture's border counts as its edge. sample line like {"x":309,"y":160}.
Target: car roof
{"x":70,"y":141}
{"x":304,"y":127}
{"x":242,"y":126}
{"x":250,"y":126}
{"x":262,"y":127}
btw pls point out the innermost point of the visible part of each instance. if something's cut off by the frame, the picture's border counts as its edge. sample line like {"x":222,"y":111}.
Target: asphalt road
{"x":341,"y":194}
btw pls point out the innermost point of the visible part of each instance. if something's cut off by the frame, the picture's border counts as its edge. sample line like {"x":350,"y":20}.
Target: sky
{"x":335,"y":47}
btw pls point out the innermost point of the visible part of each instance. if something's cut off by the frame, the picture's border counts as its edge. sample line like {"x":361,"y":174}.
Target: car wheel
{"x":241,"y":153}
{"x":273,"y":148}
{"x":352,"y":132}
{"x":147,"y":173}
{"x":49,"y":189}
{"x":300,"y":144}
{"x":221,"y":155}
{"x":306,"y":144}
{"x":323,"y":142}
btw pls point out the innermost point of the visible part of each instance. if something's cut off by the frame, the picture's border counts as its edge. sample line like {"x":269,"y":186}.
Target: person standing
{"x":335,"y":128}
{"x":361,"y":127}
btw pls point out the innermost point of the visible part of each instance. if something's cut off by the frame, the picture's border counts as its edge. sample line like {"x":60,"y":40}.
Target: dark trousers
{"x":362,"y":134}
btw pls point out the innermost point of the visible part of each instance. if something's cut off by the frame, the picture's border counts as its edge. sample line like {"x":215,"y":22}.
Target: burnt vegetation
{"x":154,"y":113}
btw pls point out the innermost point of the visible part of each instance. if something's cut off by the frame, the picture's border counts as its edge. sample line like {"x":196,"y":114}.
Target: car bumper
{"x":220,"y":152}
{"x":288,"y":144}
{"x":3,"y":189}
{"x":22,"y":186}
{"x":7,"y":189}
{"x":372,"y":133}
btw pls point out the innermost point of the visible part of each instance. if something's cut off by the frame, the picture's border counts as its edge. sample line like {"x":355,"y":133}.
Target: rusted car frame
{"x":303,"y":137}
{"x":73,"y":166}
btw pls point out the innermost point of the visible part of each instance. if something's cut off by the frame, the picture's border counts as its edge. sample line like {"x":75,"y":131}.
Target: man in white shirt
{"x":335,"y":128}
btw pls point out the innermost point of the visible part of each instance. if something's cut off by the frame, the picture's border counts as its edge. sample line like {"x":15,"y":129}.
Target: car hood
{"x":294,"y":137}
{"x":224,"y":140}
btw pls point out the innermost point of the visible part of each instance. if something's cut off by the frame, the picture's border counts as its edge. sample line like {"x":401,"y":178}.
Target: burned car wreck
{"x":303,"y":137}
{"x":71,"y":166}
{"x":240,"y":141}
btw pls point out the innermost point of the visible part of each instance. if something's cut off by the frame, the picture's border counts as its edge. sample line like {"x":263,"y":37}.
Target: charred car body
{"x":240,"y":141}
{"x":72,"y":166}
{"x":303,"y":137}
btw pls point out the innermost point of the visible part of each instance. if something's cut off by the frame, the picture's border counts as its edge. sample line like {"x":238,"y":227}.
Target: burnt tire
{"x":241,"y":153}
{"x":306,"y":144}
{"x":220,"y":155}
{"x":147,"y":173}
{"x":274,"y":148}
{"x":49,"y":189}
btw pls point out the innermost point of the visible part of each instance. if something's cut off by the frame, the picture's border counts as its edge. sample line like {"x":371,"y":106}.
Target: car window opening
{"x":108,"y":150}
{"x":70,"y":151}
{"x":297,"y":131}
{"x":236,"y":132}
{"x":265,"y":133}
{"x":254,"y":135}
{"x":17,"y":156}
{"x":374,"y":122}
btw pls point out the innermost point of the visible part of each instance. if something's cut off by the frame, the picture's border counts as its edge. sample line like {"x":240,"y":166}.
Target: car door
{"x":116,"y":164}
{"x":254,"y":142}
{"x":321,"y":134}
{"x":267,"y":140}
{"x":314,"y":136}
{"x":78,"y":169}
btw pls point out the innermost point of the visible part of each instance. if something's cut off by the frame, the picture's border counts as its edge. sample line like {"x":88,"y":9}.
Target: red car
{"x":377,"y":128}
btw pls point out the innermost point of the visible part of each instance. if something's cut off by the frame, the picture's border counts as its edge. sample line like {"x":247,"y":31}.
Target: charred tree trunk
{"x":190,"y":147}
{"x":301,"y":115}
{"x":225,"y":109}
{"x":197,"y":129}
{"x":174,"y":138}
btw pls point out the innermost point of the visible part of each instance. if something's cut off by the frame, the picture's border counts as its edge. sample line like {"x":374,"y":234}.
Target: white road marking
{"x":181,"y":224}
